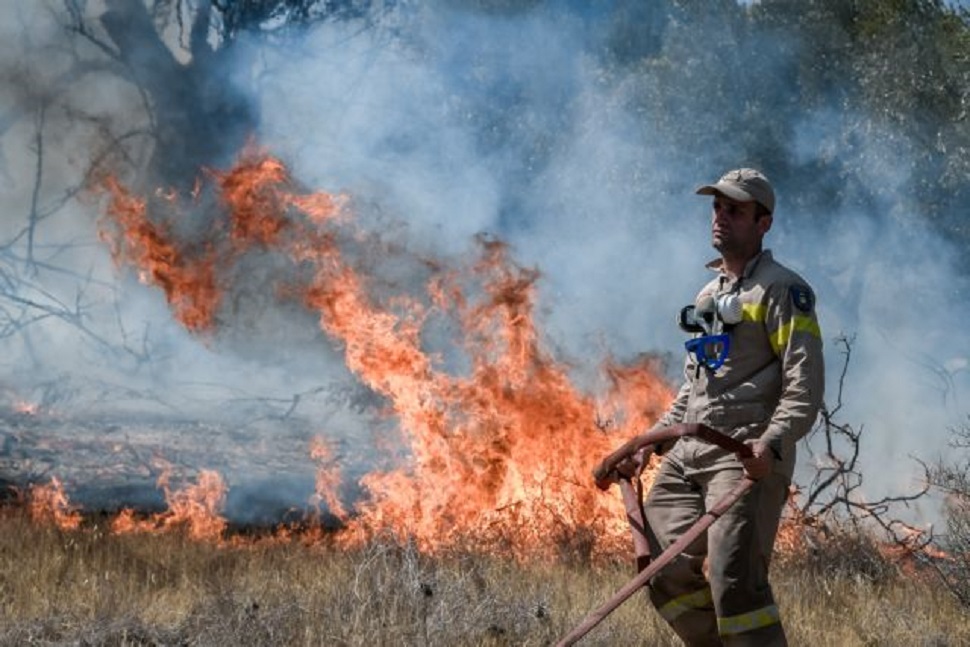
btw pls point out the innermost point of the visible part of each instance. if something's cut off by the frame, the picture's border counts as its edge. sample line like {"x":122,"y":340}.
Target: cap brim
{"x":728,"y":190}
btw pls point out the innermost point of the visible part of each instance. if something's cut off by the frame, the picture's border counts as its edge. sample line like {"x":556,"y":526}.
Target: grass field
{"x":88,"y":587}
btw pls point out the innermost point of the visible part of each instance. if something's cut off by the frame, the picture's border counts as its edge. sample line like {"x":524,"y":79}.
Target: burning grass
{"x":89,"y":586}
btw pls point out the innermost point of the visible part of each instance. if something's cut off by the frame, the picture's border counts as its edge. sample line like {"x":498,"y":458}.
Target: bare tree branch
{"x":833,"y":497}
{"x":33,"y":217}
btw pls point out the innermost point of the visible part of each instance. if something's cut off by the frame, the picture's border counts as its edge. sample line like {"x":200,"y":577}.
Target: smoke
{"x":515,"y":124}
{"x":528,"y":124}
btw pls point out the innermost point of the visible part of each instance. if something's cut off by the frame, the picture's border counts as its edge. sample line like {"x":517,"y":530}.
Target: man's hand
{"x":612,"y":468}
{"x":760,"y":464}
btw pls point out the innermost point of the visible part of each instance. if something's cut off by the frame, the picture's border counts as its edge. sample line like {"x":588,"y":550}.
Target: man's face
{"x":735,"y":230}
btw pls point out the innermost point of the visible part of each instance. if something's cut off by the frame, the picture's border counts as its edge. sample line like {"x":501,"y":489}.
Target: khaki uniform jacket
{"x":771,"y":384}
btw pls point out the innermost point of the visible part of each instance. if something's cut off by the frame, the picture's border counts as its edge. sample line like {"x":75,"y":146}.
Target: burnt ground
{"x":110,"y":463}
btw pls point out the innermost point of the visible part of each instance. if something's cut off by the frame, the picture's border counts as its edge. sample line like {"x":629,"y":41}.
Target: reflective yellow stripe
{"x":754,"y":312}
{"x":685,"y":603}
{"x":748,"y":621}
{"x":798,"y":324}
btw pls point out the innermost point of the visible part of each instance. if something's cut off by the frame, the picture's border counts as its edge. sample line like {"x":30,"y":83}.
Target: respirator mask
{"x":711,"y":318}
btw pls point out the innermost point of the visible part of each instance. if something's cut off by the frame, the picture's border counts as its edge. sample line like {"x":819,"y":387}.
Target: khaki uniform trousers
{"x":732,"y":605}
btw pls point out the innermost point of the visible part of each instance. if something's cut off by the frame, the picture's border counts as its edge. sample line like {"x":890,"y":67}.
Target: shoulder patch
{"x":802,"y":297}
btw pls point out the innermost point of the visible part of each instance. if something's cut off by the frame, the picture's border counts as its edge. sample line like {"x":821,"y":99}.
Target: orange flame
{"x":195,"y":508}
{"x":49,"y":503}
{"x":500,"y":452}
{"x":188,"y":278}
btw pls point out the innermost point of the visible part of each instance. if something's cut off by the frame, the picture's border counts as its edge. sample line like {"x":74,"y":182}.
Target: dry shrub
{"x":952,"y":478}
{"x":954,"y":568}
{"x":843,"y":551}
{"x":107,"y":633}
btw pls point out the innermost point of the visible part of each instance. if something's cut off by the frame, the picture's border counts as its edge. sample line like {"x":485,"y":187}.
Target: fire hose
{"x":633,"y":501}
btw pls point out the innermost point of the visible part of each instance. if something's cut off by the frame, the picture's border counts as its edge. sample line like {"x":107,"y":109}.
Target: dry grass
{"x":86,"y":587}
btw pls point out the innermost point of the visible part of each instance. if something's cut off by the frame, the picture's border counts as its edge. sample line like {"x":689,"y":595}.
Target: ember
{"x":500,"y":451}
{"x":26,"y":408}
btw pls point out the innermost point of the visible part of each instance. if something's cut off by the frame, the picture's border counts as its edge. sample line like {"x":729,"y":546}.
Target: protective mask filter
{"x":729,"y":309}
{"x":710,"y":316}
{"x":689,"y":322}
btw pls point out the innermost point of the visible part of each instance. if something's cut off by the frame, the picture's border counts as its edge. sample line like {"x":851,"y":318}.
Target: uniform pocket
{"x":737,"y":414}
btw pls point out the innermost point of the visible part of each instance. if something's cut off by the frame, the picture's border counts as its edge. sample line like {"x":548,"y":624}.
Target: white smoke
{"x":610,"y":217}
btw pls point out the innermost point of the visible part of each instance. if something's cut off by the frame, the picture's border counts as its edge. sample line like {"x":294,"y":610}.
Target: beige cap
{"x":744,"y":185}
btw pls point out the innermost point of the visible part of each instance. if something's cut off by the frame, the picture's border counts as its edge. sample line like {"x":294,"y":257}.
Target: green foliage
{"x":822,"y":90}
{"x":237,"y":16}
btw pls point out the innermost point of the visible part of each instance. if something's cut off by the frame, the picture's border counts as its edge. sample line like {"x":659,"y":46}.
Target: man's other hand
{"x":760,"y":464}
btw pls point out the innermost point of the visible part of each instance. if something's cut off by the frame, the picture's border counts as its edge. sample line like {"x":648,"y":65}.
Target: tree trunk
{"x":200,"y":118}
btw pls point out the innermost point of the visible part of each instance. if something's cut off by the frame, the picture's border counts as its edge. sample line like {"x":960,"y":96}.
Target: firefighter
{"x":755,"y":371}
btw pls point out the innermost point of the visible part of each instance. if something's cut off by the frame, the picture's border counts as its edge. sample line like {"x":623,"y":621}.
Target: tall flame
{"x":328,"y":479}
{"x":186,"y":276}
{"x":500,"y":451}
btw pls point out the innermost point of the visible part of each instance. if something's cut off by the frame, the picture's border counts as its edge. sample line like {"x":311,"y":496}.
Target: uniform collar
{"x":717,"y":264}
